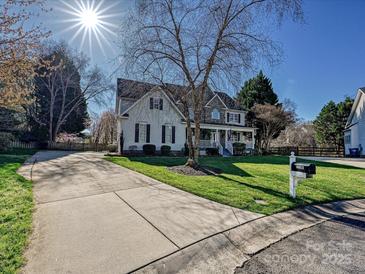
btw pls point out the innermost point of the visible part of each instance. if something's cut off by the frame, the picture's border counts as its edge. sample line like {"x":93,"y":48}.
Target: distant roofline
{"x":354,"y":106}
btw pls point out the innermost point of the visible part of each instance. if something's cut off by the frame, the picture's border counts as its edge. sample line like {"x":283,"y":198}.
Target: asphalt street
{"x":335,"y":246}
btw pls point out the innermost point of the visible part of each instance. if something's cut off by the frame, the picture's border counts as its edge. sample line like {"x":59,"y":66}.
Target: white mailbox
{"x":298,"y":172}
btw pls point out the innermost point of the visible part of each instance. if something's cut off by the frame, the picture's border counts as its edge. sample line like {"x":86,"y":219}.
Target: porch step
{"x":226,"y":153}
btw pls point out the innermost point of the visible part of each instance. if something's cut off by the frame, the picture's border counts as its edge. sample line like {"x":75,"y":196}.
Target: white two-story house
{"x":152,"y":114}
{"x":355,"y":126}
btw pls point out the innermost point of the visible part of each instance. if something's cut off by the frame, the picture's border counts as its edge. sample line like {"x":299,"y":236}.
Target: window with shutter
{"x":143,"y":133}
{"x":234,"y":118}
{"x":148,"y":133}
{"x":136,"y":133}
{"x":168,"y":134}
{"x":173,"y":135}
{"x":156,"y":103}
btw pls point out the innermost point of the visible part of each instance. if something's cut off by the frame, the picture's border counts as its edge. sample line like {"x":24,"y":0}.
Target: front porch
{"x":223,"y":138}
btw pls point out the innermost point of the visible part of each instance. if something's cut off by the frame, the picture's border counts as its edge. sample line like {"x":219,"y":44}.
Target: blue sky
{"x":323,"y":58}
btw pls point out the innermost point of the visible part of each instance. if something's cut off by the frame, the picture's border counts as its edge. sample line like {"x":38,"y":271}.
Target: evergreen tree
{"x":257,"y":90}
{"x":331,"y":121}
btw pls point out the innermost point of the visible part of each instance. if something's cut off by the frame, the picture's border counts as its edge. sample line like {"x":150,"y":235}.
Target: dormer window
{"x":156,"y":103}
{"x":216,"y":114}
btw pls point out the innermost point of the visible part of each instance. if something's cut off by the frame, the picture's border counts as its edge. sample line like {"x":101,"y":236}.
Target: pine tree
{"x":331,"y":121}
{"x":257,"y":90}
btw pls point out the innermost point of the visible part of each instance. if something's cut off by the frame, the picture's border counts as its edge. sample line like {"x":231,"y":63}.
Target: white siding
{"x":141,"y":113}
{"x":360,"y":113}
{"x":358,"y":128}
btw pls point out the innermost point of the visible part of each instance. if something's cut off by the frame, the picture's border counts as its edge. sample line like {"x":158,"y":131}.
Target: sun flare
{"x":90,"y":21}
{"x":89,"y":18}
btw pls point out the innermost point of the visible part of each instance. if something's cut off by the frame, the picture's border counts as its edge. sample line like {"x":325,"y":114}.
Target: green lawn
{"x":246,"y":179}
{"x":16,"y":205}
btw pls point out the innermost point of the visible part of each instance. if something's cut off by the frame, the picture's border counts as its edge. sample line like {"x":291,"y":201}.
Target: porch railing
{"x":207,"y":143}
{"x":220,"y":149}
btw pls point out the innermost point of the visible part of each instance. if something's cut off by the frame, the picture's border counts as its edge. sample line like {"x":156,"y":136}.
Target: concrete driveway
{"x":355,"y":162}
{"x":93,"y":216}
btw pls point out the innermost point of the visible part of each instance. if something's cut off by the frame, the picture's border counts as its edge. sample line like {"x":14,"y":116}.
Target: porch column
{"x":216,"y":137}
{"x":253,"y":139}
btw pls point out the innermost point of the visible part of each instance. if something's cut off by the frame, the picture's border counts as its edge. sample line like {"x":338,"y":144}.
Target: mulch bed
{"x":197,"y":171}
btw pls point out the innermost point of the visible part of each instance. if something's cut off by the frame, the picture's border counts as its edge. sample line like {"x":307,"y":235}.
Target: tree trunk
{"x":197,"y":141}
{"x":191,"y":159}
{"x":50,"y":128}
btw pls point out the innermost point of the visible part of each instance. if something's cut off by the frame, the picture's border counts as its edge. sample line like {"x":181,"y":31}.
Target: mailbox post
{"x":292,"y":181}
{"x":298,"y":172}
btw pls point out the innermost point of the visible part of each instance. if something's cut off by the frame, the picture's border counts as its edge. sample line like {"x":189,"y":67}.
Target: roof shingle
{"x":136,"y":89}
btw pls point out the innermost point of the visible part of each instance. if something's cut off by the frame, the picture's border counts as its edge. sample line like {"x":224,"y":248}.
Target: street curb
{"x":217,"y":255}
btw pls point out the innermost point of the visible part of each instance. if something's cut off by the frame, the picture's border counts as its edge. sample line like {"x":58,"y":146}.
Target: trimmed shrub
{"x":112,"y":148}
{"x":165,"y":150}
{"x":149,"y":149}
{"x":239,"y":148}
{"x":5,"y":140}
{"x":212,"y":151}
{"x":132,"y":148}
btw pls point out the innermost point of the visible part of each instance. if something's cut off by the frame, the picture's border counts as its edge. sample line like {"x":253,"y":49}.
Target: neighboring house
{"x":152,"y":114}
{"x":355,"y":126}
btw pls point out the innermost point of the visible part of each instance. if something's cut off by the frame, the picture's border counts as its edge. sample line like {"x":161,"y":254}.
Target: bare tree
{"x":104,"y":128}
{"x":60,"y":79}
{"x":18,"y":50}
{"x":298,"y":134}
{"x":200,"y":43}
{"x":272,"y":120}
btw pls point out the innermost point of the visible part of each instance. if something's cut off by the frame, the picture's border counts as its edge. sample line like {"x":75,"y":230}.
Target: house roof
{"x":361,"y":91}
{"x":135,"y":90}
{"x":228,"y":100}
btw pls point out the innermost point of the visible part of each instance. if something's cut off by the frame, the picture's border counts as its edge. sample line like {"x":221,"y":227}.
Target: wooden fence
{"x":63,"y":146}
{"x":23,"y":145}
{"x":309,"y":151}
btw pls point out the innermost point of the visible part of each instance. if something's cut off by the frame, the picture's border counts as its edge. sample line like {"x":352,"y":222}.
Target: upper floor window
{"x":234,"y":118}
{"x":216,"y":114}
{"x":156,"y":103}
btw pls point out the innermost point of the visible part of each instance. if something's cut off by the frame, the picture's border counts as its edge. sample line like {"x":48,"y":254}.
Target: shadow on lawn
{"x":228,"y":165}
{"x":263,"y":189}
{"x":8,"y":159}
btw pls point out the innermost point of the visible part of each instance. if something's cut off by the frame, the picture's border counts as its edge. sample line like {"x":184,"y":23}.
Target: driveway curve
{"x":93,"y":216}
